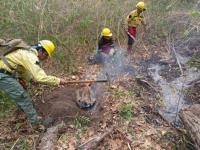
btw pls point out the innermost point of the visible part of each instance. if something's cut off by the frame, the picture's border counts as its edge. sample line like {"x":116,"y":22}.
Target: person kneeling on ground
{"x":133,"y":20}
{"x":25,"y":63}
{"x":105,"y":46}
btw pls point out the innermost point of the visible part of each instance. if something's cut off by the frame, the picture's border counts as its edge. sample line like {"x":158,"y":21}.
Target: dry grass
{"x":75,"y":25}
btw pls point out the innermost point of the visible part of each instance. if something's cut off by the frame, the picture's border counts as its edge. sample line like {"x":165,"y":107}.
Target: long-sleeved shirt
{"x":27,"y":64}
{"x":134,"y":19}
{"x":105,"y":44}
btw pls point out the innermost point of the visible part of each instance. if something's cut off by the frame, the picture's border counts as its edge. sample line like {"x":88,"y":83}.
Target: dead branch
{"x":129,"y":146}
{"x":173,"y":49}
{"x":191,"y":120}
{"x":48,"y":140}
{"x":14,"y":144}
{"x":94,"y":141}
{"x":145,"y":83}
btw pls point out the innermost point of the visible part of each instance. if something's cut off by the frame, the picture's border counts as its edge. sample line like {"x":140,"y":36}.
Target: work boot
{"x":38,"y":125}
{"x":39,"y":128}
{"x":42,"y":125}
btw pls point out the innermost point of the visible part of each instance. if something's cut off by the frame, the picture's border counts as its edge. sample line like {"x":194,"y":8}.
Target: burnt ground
{"x":145,"y":130}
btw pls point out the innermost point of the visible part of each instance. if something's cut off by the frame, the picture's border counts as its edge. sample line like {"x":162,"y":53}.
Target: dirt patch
{"x":60,"y":104}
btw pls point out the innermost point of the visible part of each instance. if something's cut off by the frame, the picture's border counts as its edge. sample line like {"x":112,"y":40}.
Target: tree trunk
{"x":191,"y":120}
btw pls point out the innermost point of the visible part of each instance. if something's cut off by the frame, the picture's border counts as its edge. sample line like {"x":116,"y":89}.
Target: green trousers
{"x":15,"y":91}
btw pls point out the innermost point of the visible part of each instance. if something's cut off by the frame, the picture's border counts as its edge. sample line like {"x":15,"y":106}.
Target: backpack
{"x":10,"y":45}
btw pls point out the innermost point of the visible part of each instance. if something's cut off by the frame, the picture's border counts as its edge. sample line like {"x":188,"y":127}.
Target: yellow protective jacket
{"x":27,"y":64}
{"x":133,"y":19}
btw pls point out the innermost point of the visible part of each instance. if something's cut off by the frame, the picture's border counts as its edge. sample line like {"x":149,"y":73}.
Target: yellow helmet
{"x":141,"y":5}
{"x":48,"y":46}
{"x":106,"y":32}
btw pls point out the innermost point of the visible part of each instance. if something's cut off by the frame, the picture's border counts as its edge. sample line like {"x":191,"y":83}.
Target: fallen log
{"x":191,"y":121}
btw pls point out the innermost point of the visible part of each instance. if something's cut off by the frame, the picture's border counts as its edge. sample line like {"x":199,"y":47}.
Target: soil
{"x":60,"y":104}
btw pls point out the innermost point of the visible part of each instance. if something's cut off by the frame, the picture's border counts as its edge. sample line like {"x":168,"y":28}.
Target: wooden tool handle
{"x":86,"y":81}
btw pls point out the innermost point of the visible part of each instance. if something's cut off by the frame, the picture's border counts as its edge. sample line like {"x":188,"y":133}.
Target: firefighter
{"x":133,"y":20}
{"x":25,"y":64}
{"x":105,"y":43}
{"x":105,"y":46}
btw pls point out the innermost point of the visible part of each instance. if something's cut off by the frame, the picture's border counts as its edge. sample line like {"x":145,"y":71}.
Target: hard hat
{"x":106,"y":32}
{"x":48,"y":46}
{"x":141,"y":5}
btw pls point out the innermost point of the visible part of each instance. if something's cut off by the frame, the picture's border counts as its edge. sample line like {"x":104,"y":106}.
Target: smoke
{"x":117,"y":65}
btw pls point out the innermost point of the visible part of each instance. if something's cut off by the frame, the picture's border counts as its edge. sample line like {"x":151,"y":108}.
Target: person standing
{"x":133,"y":20}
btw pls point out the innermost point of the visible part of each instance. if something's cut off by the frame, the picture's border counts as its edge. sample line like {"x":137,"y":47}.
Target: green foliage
{"x":122,"y":93}
{"x":126,"y":111}
{"x":7,"y":106}
{"x":84,"y":23}
{"x":81,"y":122}
{"x":79,"y":148}
{"x":23,"y":144}
{"x":59,"y":55}
{"x":194,"y":13}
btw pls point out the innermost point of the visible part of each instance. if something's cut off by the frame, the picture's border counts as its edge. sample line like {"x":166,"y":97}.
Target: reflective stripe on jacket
{"x":27,"y":64}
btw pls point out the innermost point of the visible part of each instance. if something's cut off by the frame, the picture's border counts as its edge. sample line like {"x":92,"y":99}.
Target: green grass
{"x":59,"y":55}
{"x":122,"y":93}
{"x":7,"y":106}
{"x":75,"y":26}
{"x":126,"y":111}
